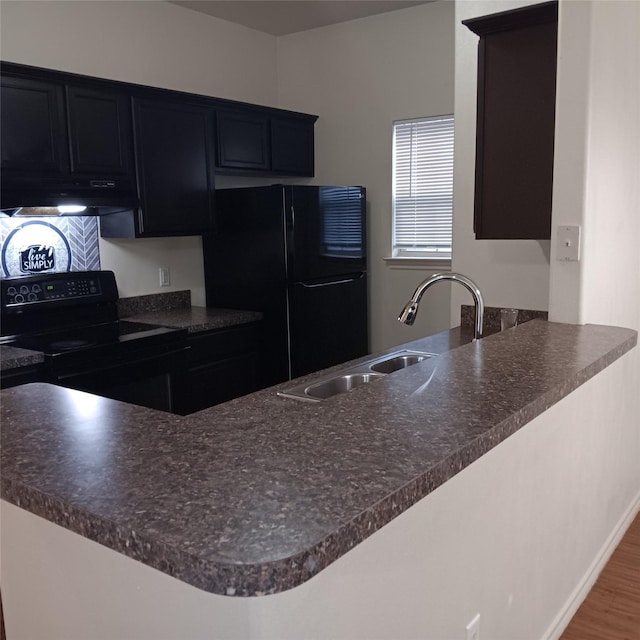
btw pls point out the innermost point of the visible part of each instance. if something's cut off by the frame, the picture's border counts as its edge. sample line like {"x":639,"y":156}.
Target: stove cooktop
{"x":113,"y":334}
{"x":72,"y":318}
{"x":74,"y":315}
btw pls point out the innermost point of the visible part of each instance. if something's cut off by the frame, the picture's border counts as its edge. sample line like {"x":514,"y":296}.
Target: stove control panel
{"x":80,"y":287}
{"x":52,"y":290}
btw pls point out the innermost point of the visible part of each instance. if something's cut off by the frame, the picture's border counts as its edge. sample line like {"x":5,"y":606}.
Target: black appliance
{"x":298,"y":254}
{"x":72,"y":318}
{"x":98,"y":197}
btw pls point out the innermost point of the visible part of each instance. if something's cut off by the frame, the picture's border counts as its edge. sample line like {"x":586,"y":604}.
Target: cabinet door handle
{"x":329,"y":284}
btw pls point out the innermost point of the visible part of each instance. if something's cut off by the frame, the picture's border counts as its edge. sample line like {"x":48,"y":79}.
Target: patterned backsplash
{"x":48,"y":245}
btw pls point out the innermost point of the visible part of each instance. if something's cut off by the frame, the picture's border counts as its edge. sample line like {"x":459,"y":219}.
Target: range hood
{"x":68,"y":197}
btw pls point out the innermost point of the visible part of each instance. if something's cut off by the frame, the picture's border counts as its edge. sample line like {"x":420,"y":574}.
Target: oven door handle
{"x":122,"y":363}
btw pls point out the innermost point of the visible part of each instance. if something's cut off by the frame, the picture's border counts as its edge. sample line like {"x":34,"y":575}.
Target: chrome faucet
{"x":410,"y":311}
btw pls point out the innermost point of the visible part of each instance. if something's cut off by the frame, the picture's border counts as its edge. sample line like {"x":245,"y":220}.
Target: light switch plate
{"x":165,"y":276}
{"x":568,"y":246}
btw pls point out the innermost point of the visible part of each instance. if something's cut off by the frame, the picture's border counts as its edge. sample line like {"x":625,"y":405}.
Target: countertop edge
{"x":13,"y":358}
{"x":197,"y":319}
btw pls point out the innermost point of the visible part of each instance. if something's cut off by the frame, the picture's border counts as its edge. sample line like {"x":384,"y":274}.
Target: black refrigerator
{"x":298,"y":254}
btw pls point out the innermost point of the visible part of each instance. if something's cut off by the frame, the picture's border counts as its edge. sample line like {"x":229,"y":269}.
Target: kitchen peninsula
{"x":271,"y":495}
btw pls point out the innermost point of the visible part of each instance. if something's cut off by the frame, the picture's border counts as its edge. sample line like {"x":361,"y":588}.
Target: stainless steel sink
{"x":339,"y":384}
{"x":399,"y":362}
{"x":352,"y":377}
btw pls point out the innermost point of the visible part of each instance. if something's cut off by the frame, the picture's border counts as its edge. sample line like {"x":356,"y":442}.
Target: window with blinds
{"x":423,"y":187}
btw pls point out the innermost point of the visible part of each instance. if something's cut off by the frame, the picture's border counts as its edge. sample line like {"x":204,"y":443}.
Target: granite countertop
{"x":196,"y":319}
{"x":174,"y":309}
{"x":259,"y":494}
{"x":14,"y":358}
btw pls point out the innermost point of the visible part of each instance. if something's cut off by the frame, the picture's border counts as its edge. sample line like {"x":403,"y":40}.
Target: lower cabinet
{"x":223,"y":364}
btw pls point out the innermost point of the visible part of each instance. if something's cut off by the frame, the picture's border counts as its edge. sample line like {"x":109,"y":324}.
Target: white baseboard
{"x":566,"y":613}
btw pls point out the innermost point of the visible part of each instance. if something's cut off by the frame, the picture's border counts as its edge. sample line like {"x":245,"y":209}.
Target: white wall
{"x":148,"y":42}
{"x":152,"y":43}
{"x":510,"y":273}
{"x":598,"y":163}
{"x":359,"y":77}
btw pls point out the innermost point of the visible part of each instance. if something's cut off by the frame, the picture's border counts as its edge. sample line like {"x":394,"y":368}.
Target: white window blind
{"x":423,"y":187}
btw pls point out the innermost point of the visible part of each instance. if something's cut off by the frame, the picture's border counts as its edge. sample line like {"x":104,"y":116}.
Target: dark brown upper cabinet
{"x":34,"y":133}
{"x":152,"y":151}
{"x":515,"y":122}
{"x":99,"y":131}
{"x":254,"y":142}
{"x":243,"y":140}
{"x":63,"y":142}
{"x":292,"y":149}
{"x":51,"y":128}
{"x":174,"y":163}
{"x":174,"y":155}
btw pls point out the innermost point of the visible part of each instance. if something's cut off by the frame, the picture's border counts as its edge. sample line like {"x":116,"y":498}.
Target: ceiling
{"x":283,"y":17}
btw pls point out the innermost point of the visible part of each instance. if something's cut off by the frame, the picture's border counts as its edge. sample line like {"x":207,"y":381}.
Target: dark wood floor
{"x":611,"y":611}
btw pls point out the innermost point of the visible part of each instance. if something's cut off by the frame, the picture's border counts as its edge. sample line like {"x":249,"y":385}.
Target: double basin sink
{"x":348,"y":379}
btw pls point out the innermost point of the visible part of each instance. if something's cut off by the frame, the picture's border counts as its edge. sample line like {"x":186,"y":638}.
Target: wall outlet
{"x":165,"y":276}
{"x":568,"y":243}
{"x":473,"y":628}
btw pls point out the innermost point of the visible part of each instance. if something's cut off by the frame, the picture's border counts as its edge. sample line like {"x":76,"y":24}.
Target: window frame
{"x":443,"y":127}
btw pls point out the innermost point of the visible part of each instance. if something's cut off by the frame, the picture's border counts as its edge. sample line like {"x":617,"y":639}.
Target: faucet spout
{"x":410,"y":310}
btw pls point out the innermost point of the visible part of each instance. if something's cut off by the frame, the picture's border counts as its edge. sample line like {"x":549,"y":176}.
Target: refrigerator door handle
{"x":329,"y":284}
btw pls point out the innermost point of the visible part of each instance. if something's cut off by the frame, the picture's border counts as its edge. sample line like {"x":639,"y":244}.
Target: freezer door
{"x":326,"y":234}
{"x":328,"y":323}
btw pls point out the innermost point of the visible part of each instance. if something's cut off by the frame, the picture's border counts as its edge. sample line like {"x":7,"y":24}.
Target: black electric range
{"x":72,"y":318}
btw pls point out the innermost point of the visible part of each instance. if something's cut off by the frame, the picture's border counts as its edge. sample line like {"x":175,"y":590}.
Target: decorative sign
{"x":35,"y":259}
{"x":48,"y":245}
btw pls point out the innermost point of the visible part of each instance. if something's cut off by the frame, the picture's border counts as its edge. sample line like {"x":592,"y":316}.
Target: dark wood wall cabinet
{"x":243,"y":140}
{"x":62,"y":142}
{"x":152,"y":150}
{"x":99,"y":131}
{"x":249,"y":141}
{"x":515,"y":122}
{"x":174,"y":161}
{"x":34,"y":137}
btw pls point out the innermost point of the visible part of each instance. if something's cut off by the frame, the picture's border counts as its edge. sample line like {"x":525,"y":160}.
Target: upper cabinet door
{"x":33,"y":127}
{"x":515,"y":122}
{"x":100,"y":131}
{"x":292,"y":148}
{"x":243,"y":140}
{"x":268,"y":143}
{"x":175,"y":172}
